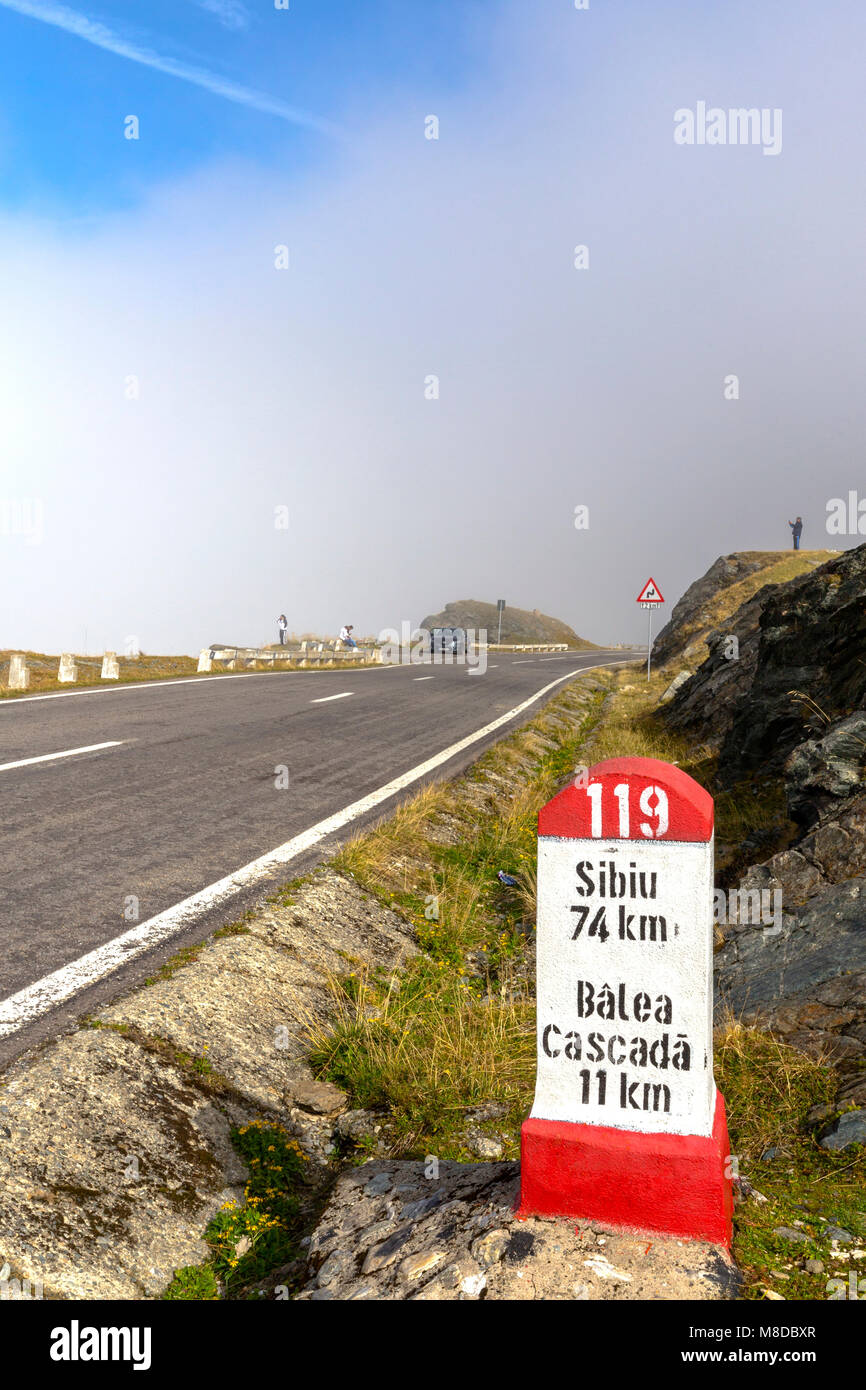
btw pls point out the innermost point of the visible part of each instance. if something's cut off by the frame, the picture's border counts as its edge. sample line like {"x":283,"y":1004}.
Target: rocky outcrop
{"x":796,"y":669}
{"x":781,"y":698}
{"x":803,"y":972}
{"x":437,"y":1232}
{"x":822,"y":772}
{"x":709,"y":700}
{"x":833,"y":852}
{"x":805,"y":978}
{"x":691,"y":613}
{"x":812,"y":640}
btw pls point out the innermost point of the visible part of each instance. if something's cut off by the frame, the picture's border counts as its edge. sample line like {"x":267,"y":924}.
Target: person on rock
{"x":796,"y":531}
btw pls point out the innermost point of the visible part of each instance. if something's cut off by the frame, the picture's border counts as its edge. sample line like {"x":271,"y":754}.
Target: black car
{"x":450,"y":641}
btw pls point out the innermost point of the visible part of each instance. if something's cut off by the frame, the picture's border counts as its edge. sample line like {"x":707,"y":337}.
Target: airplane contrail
{"x":92,"y":31}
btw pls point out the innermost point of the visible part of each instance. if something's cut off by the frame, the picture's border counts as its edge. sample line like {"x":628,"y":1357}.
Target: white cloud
{"x":230,"y":13}
{"x":304,"y":387}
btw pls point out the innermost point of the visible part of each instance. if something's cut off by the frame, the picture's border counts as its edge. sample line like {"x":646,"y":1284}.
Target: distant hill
{"x":519,"y":625}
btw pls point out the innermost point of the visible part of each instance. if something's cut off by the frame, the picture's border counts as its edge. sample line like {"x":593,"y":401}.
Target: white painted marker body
{"x":624,"y":1009}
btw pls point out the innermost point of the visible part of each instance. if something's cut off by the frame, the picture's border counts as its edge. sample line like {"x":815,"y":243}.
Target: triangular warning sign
{"x":650,"y":593}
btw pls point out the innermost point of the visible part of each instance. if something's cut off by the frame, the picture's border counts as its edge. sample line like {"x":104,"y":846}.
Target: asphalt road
{"x":185,"y":793}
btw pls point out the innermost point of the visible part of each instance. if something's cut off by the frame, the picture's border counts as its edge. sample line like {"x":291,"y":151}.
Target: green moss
{"x":193,"y":1283}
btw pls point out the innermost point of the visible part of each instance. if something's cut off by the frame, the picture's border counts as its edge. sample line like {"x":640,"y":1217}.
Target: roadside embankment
{"x":129,"y":1145}
{"x":362,"y":1045}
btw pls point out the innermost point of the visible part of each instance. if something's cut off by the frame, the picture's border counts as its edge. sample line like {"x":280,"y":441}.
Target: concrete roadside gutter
{"x":116,"y":1148}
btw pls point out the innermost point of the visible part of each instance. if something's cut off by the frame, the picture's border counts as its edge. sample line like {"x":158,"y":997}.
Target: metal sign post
{"x":650,"y":597}
{"x":500,"y":604}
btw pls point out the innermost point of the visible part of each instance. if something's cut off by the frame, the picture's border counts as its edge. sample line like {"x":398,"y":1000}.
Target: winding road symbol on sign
{"x":650,"y":593}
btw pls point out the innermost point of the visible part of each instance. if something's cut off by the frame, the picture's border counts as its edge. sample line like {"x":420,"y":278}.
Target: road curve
{"x":183,"y":801}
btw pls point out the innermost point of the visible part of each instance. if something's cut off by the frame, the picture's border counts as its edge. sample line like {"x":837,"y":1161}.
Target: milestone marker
{"x":627,"y":1126}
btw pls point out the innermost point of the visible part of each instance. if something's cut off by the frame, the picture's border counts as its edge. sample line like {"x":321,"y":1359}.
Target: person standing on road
{"x":282,"y":624}
{"x":796,"y":531}
{"x":346,"y":635}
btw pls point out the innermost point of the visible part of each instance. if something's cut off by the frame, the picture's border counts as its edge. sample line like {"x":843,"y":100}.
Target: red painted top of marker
{"x":630,"y":799}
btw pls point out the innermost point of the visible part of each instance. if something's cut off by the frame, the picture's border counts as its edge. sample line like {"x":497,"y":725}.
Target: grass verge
{"x":769,"y":1089}
{"x":455,"y":1030}
{"x":445,"y":1049}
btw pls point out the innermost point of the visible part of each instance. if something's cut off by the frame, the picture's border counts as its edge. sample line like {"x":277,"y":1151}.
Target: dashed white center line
{"x":43,"y":995}
{"x":67,"y":753}
{"x":323,"y":699}
{"x":423,"y":678}
{"x":525,"y":662}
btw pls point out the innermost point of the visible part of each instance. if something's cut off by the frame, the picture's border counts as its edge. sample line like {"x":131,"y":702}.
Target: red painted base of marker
{"x":668,"y":1184}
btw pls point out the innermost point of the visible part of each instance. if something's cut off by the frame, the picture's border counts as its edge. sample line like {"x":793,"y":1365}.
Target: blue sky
{"x":153,"y":262}
{"x":64,"y":99}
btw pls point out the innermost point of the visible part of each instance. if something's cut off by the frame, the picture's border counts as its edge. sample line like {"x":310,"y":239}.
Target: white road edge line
{"x":45,"y":994}
{"x":68,"y":753}
{"x":323,"y":699}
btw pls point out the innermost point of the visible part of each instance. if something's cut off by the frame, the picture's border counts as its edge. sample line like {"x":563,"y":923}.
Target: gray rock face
{"x":805,"y":636}
{"x":812,"y":639}
{"x":319,"y":1097}
{"x":112,"y":1168}
{"x":432,"y":1233}
{"x":675,"y":684}
{"x":807,"y":979}
{"x":708,"y":700}
{"x":821,"y":772}
{"x":833,"y":852}
{"x":848,"y":1130}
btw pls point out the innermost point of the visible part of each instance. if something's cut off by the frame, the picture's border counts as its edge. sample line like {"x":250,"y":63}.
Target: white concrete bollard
{"x":67,"y":671}
{"x":110,"y":667}
{"x":19,"y":672}
{"x":627,"y":1126}
{"x":204,"y":660}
